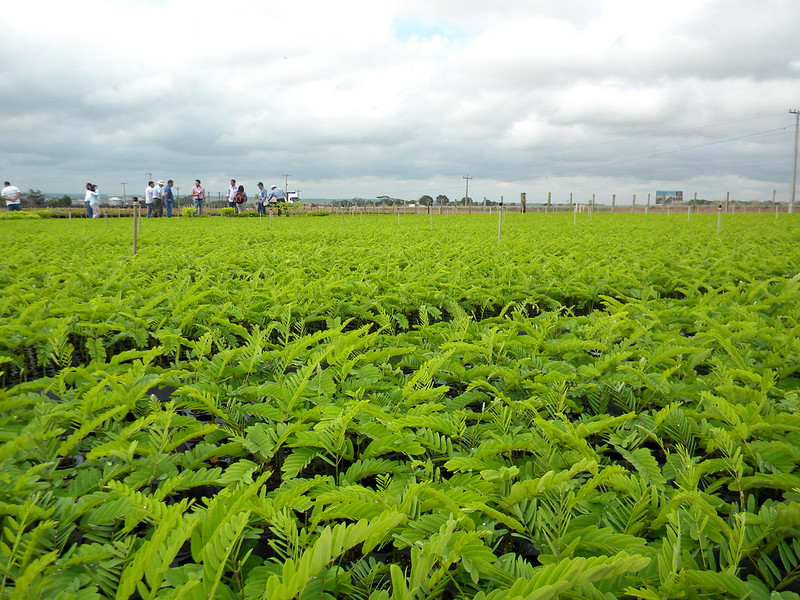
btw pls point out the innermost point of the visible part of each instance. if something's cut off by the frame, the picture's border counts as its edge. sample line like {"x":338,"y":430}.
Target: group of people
{"x":237,"y":198}
{"x":159,"y":196}
{"x":160,"y":199}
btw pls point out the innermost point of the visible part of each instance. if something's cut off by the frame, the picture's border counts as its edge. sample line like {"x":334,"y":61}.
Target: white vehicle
{"x":292,"y":197}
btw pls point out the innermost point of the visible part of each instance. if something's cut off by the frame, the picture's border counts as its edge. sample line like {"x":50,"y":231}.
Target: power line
{"x":636,"y":157}
{"x":656,"y":133}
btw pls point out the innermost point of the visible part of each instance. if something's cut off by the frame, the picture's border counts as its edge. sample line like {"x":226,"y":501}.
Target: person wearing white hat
{"x":276,"y":195}
{"x":158,"y":199}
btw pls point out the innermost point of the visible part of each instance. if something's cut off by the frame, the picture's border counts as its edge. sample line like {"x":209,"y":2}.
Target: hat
{"x":160,"y":182}
{"x":273,"y":187}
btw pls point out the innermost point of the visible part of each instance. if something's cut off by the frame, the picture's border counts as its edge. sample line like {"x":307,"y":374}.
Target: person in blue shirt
{"x":276,"y":195}
{"x":169,"y":198}
{"x":261,"y":199}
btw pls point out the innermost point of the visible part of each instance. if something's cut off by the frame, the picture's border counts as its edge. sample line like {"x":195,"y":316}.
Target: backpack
{"x":238,"y":198}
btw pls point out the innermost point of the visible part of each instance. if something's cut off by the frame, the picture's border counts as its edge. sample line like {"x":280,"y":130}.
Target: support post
{"x":135,"y":225}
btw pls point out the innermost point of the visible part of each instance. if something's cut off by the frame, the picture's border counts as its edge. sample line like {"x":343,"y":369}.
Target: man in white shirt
{"x":232,"y":194}
{"x":148,"y":198}
{"x":12,"y":195}
{"x":92,"y":201}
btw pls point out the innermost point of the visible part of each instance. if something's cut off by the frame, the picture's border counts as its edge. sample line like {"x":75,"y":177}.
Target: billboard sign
{"x":668,"y":196}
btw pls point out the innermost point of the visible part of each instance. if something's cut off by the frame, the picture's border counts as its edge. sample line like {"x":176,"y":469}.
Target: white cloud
{"x":361,"y":98}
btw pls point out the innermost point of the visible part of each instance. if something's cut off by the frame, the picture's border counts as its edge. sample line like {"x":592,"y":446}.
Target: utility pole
{"x":124,"y":195}
{"x":466,"y":192}
{"x":796,"y":114}
{"x":286,"y":182}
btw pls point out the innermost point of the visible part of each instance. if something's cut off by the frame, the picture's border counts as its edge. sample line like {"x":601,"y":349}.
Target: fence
{"x":212,"y":207}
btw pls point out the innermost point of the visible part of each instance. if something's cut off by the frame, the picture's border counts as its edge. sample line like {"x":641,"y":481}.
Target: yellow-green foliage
{"x":361,"y":408}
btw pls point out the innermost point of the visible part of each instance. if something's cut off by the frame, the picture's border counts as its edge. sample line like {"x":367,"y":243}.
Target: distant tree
{"x":441,"y":200}
{"x":65,"y":200}
{"x":466,"y":201}
{"x":425,"y":200}
{"x":35,"y":198}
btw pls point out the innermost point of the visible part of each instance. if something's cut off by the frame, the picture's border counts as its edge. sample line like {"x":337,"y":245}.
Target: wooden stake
{"x":499,"y":223}
{"x":135,"y":227}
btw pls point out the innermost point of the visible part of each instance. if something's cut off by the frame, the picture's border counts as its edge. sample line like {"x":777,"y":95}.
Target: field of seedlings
{"x":401,"y":408}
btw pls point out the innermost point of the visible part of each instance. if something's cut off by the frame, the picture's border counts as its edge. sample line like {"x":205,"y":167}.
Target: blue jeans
{"x":13,"y":207}
{"x":262,"y":210}
{"x":169,"y":204}
{"x":198,"y":206}
{"x":149,"y":210}
{"x":88,"y":211}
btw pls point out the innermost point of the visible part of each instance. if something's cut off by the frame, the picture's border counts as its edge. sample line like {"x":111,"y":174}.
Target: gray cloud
{"x":402,"y":98}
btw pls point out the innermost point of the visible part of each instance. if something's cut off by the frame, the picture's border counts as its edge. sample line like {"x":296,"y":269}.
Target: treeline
{"x":425,"y":200}
{"x":37,"y":199}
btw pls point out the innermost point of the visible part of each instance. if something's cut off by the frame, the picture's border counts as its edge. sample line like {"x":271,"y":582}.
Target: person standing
{"x":232,"y":194}
{"x":87,"y":200}
{"x":169,"y":197}
{"x":199,"y":196}
{"x":95,"y":202}
{"x":148,"y":198}
{"x":276,"y":194}
{"x":261,"y":199}
{"x":158,"y":199}
{"x":239,"y":199}
{"x":92,"y":201}
{"x":12,"y":196}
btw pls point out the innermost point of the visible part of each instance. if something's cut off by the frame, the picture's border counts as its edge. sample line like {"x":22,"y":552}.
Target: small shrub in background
{"x":227,"y":211}
{"x":189,"y":211}
{"x":20,"y":215}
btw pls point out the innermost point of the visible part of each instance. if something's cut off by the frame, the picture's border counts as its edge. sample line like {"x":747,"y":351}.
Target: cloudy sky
{"x":362,"y":98}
